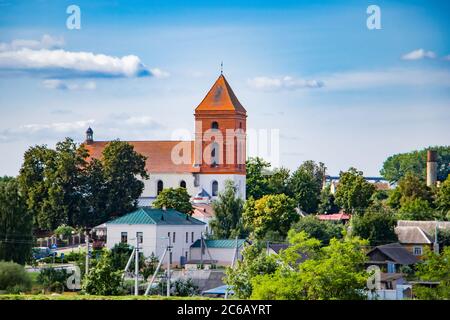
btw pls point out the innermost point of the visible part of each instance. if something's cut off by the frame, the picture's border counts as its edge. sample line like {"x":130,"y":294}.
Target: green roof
{"x":222,"y":243}
{"x":156,"y":216}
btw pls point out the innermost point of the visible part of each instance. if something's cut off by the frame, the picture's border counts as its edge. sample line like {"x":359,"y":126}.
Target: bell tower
{"x":220,"y":131}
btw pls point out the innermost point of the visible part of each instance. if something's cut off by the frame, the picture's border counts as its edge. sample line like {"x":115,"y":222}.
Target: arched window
{"x":215,"y":188}
{"x":183,"y":184}
{"x":214,"y":125}
{"x":214,"y":154}
{"x":159,"y":186}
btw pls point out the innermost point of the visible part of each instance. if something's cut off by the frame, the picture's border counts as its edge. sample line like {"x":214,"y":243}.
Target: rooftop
{"x":396,"y":253}
{"x":222,"y":243}
{"x":412,"y":235}
{"x":156,"y":216}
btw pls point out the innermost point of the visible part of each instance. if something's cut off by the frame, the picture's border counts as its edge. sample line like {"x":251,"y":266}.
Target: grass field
{"x":74,"y":296}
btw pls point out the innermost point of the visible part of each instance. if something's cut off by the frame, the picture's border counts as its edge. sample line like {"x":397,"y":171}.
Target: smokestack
{"x":431,"y":167}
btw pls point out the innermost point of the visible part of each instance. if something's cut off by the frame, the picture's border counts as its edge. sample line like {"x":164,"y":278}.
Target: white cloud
{"x":112,"y":126}
{"x":158,"y":73}
{"x":419,"y":54}
{"x":72,"y":64}
{"x":64,"y":85}
{"x":45,"y":57}
{"x":46,"y":42}
{"x":282,"y":83}
{"x":386,"y":78}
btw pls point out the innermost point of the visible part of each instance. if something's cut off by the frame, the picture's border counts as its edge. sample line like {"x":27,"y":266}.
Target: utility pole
{"x":168,"y":267}
{"x":436,"y":243}
{"x":87,"y":252}
{"x":136,"y":267}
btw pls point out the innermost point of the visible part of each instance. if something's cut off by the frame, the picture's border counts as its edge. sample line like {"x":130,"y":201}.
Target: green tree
{"x":121,"y":168}
{"x":327,"y":202}
{"x":306,"y":184}
{"x":53,"y":280}
{"x":353,"y":192}
{"x":257,"y":176}
{"x":323,"y":231}
{"x":332,"y":272}
{"x":64,"y":231}
{"x":278,"y":181}
{"x":14,"y":278}
{"x":16,"y":223}
{"x":227,"y":222}
{"x":397,"y":166}
{"x":416,"y":209}
{"x":442,"y":201}
{"x":61,"y":187}
{"x":435,"y":267}
{"x":103,"y":279}
{"x":375,"y":226}
{"x":255,"y":261}
{"x":177,"y":199}
{"x":271,"y":214}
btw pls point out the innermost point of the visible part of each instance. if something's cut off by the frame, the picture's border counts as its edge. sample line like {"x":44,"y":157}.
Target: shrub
{"x":52,"y":279}
{"x":14,"y":278}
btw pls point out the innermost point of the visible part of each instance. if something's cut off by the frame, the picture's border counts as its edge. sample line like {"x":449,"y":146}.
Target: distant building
{"x":155,"y":229}
{"x":219,"y":252}
{"x":203,"y":212}
{"x":390,"y":257}
{"x":415,"y":236}
{"x":339,"y":217}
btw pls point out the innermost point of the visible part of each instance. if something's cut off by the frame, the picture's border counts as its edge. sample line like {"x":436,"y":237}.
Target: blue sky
{"x":336,"y":91}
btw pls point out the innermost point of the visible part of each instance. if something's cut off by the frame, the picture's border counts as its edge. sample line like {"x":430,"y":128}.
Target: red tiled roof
{"x":335,"y":216}
{"x":203,"y":210}
{"x":158,"y":153}
{"x":220,"y":97}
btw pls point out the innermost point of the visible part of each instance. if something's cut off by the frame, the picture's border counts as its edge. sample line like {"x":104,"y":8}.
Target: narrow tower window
{"x":183,"y":184}
{"x":215,"y":188}
{"x":214,"y":125}
{"x":159,"y":187}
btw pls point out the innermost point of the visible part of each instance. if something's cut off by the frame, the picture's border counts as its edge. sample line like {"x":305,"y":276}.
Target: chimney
{"x":431,"y":167}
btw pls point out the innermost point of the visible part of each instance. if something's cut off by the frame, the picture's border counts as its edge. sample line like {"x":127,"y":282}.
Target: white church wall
{"x":206,"y":181}
{"x":170,"y":180}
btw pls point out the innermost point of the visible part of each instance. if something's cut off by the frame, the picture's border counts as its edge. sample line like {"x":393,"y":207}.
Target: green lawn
{"x":70,"y":296}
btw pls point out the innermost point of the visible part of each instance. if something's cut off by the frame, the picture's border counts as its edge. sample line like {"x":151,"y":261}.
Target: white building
{"x":217,"y":153}
{"x":155,"y":228}
{"x":219,"y":252}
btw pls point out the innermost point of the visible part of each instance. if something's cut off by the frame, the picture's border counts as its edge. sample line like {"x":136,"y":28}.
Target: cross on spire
{"x":221,"y":67}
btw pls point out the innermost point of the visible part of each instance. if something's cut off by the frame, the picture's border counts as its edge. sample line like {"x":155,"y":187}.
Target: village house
{"x":216,"y":252}
{"x":155,"y":229}
{"x":415,"y":236}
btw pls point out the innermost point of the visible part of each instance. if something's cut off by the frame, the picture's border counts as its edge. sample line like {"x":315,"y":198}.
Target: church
{"x":202,"y":165}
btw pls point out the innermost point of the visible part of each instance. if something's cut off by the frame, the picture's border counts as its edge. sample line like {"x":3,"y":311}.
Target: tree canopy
{"x":227,"y":222}
{"x":172,"y":198}
{"x":353,"y":192}
{"x":272,"y":214}
{"x":306,"y":185}
{"x":16,"y":223}
{"x":61,"y":187}
{"x":323,"y":231}
{"x":378,"y":227}
{"x":335,"y":271}
{"x":397,"y":166}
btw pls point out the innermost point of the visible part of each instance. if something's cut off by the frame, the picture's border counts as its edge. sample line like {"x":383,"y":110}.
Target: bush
{"x":178,"y":288}
{"x":53,"y":280}
{"x":14,"y":278}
